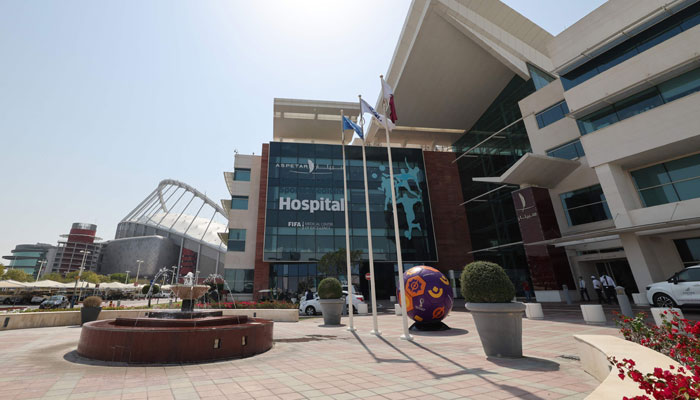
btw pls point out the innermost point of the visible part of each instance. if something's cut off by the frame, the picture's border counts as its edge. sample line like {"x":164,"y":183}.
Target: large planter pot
{"x":89,"y":314}
{"x":331,"y":309}
{"x":500,"y":327}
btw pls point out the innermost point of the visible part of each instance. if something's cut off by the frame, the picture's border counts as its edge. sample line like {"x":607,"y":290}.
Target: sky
{"x":101,"y":100}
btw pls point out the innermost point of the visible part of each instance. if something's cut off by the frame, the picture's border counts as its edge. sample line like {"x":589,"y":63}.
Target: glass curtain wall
{"x":491,"y":218}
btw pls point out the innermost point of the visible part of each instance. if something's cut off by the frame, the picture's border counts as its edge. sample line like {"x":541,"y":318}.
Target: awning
{"x":535,"y":170}
{"x":311,"y":120}
{"x":10,"y":284}
{"x":613,"y":233}
{"x":46,"y":284}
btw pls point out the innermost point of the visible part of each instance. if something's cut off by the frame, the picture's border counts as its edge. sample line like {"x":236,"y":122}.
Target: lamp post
{"x":42,"y":263}
{"x":138,"y":270}
{"x":126,"y":280}
{"x":80,"y":273}
{"x":174,"y":268}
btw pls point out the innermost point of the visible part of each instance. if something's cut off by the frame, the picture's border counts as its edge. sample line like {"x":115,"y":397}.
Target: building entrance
{"x":620,"y":271}
{"x":385,"y":280}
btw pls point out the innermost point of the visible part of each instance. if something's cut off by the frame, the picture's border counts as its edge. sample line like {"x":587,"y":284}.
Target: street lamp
{"x":138,"y":270}
{"x":172,"y":281}
{"x":126,"y":280}
{"x":80,"y":273}
{"x":42,"y":263}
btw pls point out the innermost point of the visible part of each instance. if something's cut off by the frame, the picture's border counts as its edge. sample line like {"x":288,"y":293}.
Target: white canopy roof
{"x":46,"y":283}
{"x":10,"y":284}
{"x":81,"y":284}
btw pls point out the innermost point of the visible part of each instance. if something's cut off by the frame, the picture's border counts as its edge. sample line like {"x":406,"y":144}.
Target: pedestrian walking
{"x":609,"y":287}
{"x":599,"y":290}
{"x":582,"y":289}
{"x":526,"y":289}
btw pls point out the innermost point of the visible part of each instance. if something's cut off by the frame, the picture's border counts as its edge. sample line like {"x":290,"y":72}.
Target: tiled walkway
{"x":310,"y":361}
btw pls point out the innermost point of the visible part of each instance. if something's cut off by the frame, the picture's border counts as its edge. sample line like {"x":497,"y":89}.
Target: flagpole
{"x":397,"y":237}
{"x":351,"y":326}
{"x":373,"y":293}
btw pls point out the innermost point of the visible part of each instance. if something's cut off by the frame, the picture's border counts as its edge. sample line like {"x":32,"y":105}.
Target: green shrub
{"x":145,"y":288}
{"x":92,"y":301}
{"x":330,"y":288}
{"x":486,"y":282}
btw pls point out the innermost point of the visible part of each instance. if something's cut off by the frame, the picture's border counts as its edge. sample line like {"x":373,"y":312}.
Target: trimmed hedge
{"x":330,"y":288}
{"x":92,"y":301}
{"x":486,"y":282}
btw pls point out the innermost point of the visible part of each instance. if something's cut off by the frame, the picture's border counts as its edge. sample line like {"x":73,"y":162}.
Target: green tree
{"x":17,"y":275}
{"x":118,"y":277}
{"x":2,"y":269}
{"x":333,"y":263}
{"x":55,"y":276}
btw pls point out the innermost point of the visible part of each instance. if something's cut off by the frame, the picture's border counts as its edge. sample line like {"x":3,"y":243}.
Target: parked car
{"x":682,"y":288}
{"x":38,"y":299}
{"x":311,"y":307}
{"x":55,"y":302}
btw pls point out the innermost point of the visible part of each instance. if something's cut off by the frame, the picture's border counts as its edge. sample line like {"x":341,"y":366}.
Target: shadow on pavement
{"x":525,"y":363}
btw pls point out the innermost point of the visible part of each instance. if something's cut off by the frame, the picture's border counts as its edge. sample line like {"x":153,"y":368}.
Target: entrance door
{"x":384,"y":280}
{"x":621,"y":273}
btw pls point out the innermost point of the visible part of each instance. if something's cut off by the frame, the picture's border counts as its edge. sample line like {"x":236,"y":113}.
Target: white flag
{"x":366,"y":108}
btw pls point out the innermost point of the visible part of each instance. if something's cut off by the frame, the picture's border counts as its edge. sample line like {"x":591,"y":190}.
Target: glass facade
{"x":669,"y":182}
{"x":539,"y":77}
{"x":236,"y":240}
{"x":689,"y":250}
{"x":297,"y":277}
{"x":673,"y":89}
{"x":241,"y":174}
{"x":552,"y":114}
{"x":658,"y":33}
{"x":239,"y":202}
{"x":492,"y":219}
{"x":305,"y":205}
{"x":239,"y":280}
{"x":585,"y":205}
{"x":568,"y":151}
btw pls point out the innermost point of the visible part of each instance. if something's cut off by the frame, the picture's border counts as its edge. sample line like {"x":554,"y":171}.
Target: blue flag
{"x":347,"y":124}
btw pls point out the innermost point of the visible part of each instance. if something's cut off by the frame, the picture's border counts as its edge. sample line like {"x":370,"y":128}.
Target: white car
{"x":682,"y":288}
{"x":311,"y":307}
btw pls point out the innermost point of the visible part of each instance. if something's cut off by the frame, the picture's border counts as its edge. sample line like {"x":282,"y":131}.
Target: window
{"x":689,"y":250}
{"x":552,"y":114}
{"x":658,"y":33}
{"x":568,"y":151}
{"x":585,"y":205}
{"x":239,"y":202}
{"x":241,"y":174}
{"x":239,"y":280}
{"x":539,"y":78}
{"x":675,"y":88}
{"x":689,"y":275}
{"x":669,"y":182}
{"x":236,"y":240}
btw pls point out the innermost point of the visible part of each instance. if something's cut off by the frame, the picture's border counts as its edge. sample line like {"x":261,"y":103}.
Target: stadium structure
{"x":176,"y":226}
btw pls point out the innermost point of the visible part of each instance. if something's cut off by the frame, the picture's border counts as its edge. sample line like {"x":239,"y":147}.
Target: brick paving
{"x":312,"y":361}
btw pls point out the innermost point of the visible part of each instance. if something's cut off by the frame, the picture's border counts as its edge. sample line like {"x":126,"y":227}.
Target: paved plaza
{"x":312,"y":361}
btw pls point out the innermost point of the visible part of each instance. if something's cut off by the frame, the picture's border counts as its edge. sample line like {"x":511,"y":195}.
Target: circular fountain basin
{"x":172,"y":341}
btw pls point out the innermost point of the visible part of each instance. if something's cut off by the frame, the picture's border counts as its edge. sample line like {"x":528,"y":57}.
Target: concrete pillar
{"x":643,"y":262}
{"x":620,"y":193}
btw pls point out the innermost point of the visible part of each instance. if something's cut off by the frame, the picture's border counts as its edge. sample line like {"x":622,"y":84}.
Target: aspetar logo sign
{"x":309,"y":168}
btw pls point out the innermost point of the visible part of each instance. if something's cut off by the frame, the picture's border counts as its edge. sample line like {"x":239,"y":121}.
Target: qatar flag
{"x":388,"y":94}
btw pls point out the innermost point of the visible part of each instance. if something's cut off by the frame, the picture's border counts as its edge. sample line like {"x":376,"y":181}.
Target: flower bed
{"x":677,"y":338}
{"x":250,"y":305}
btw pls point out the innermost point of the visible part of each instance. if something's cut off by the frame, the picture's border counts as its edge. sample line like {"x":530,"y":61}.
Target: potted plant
{"x":92,"y":306}
{"x":329,"y":294}
{"x":499,"y":321}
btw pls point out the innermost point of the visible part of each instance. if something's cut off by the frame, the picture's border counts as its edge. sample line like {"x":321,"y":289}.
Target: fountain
{"x":183,"y":336}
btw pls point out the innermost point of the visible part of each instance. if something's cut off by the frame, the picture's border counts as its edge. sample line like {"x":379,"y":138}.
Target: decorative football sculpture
{"x":428,"y":294}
